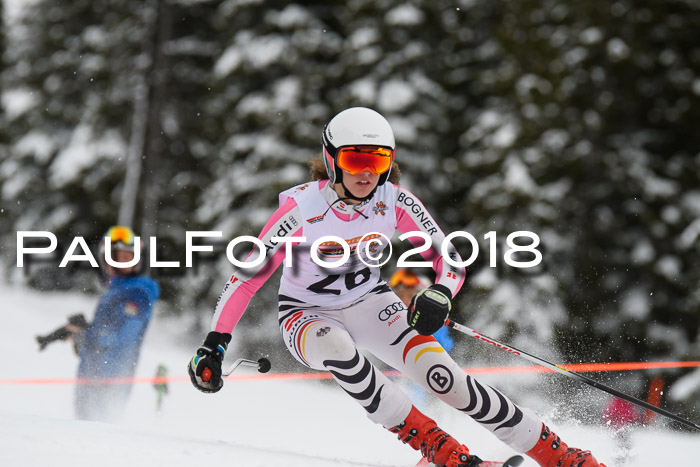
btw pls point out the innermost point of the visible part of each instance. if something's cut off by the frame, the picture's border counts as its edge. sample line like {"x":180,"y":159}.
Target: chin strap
{"x":349,"y":195}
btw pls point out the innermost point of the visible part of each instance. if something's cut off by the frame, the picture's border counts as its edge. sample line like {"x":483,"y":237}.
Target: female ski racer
{"x":327,"y":313}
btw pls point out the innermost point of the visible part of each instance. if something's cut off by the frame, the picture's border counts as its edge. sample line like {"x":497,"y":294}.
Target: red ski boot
{"x":551,"y":451}
{"x":421,"y":432}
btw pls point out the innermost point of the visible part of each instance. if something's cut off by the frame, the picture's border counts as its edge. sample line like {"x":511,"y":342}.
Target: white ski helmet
{"x":356,"y":126}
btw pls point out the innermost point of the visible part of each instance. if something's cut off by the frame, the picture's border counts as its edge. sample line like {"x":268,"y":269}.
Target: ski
{"x":514,"y":461}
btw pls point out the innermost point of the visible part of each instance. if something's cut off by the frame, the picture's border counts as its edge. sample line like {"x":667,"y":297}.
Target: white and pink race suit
{"x":327,"y":313}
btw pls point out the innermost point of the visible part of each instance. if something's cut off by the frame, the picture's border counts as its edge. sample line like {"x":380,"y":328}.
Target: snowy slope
{"x":251,"y":422}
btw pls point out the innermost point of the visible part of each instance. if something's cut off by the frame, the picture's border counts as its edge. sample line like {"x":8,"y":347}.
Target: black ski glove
{"x":205,"y":367}
{"x":429,"y":309}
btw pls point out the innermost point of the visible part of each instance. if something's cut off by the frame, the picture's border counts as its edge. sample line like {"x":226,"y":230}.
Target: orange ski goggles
{"x":405,"y":278}
{"x":121,"y":234}
{"x":355,"y":159}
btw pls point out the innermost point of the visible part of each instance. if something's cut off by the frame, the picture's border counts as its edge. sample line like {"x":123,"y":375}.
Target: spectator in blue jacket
{"x":109,"y":348}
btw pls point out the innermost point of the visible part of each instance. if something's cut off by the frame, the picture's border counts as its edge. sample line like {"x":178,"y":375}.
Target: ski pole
{"x":477,"y":335}
{"x":262,"y":365}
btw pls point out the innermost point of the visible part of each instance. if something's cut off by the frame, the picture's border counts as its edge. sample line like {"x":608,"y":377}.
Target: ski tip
{"x":514,"y":461}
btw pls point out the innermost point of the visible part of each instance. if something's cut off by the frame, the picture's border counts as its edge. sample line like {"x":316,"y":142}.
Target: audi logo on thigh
{"x":390,"y":311}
